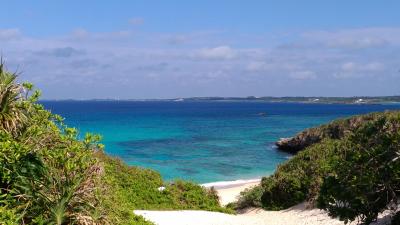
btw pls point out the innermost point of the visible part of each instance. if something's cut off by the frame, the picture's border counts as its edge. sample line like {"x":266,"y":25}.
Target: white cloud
{"x":348,"y":66}
{"x":366,"y":67}
{"x":61,"y":52}
{"x":8,"y":34}
{"x":149,"y":66}
{"x":177,"y":39}
{"x":360,"y":38}
{"x":80,"y":33}
{"x":136,"y":21}
{"x":374,"y":66}
{"x":354,"y":42}
{"x":303,"y":75}
{"x":257,"y":66}
{"x":221,"y":52}
{"x":360,"y":70}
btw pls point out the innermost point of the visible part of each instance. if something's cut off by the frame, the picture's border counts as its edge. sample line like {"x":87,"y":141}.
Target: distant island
{"x":298,"y":99}
{"x":327,"y":100}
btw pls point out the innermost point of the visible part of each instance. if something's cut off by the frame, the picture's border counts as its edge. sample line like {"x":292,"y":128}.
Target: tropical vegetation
{"x":51,"y":174}
{"x":354,"y":176}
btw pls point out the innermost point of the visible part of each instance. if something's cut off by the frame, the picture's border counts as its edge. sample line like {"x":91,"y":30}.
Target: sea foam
{"x":228,"y":184}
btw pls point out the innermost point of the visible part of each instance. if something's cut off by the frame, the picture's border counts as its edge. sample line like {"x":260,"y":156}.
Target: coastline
{"x":230,"y":184}
{"x":229,"y":191}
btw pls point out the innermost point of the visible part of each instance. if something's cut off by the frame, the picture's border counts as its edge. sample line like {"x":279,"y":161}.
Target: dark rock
{"x":334,"y":130}
{"x":262,"y":114}
{"x":297,"y":143}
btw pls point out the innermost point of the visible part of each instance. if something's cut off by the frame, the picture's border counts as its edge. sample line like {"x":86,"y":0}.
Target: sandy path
{"x":231,"y":193}
{"x":297,"y":215}
{"x":294,"y":216}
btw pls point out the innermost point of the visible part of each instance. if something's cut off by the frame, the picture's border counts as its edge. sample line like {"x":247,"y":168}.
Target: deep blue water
{"x":200,"y":141}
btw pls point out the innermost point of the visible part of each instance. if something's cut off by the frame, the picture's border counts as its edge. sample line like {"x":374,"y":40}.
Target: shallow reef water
{"x":202,"y":141}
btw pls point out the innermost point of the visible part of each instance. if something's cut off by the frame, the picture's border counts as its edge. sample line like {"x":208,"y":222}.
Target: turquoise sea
{"x":202,"y":141}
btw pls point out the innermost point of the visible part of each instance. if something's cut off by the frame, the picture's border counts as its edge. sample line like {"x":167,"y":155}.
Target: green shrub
{"x":45,"y":171}
{"x":299,"y":178}
{"x":372,"y":139}
{"x":49,"y":176}
{"x":294,"y":181}
{"x":8,"y":216}
{"x":137,"y":188}
{"x":250,"y":197}
{"x":336,"y":129}
{"x":366,"y":181}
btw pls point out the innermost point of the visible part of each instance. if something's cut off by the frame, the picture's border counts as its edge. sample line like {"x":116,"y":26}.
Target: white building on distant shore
{"x":360,"y":100}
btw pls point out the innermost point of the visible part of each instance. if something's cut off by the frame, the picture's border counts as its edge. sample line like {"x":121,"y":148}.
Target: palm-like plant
{"x":12,"y":114}
{"x":47,"y":176}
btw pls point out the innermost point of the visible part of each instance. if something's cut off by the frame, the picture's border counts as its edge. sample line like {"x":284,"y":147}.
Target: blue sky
{"x":168,"y":49}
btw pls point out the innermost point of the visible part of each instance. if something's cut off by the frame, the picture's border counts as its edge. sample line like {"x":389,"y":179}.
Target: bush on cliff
{"x":366,"y":179}
{"x":354,"y":177}
{"x":294,"y":181}
{"x":46,"y":174}
{"x":336,"y":129}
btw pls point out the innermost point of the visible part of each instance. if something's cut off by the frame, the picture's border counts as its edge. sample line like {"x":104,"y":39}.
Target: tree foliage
{"x":366,"y":181}
{"x":354,"y":177}
{"x":49,"y":175}
{"x":12,"y":114}
{"x":45,"y":171}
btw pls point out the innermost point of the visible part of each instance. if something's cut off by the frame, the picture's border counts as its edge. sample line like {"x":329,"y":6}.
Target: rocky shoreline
{"x":296,"y":144}
{"x":333,"y":130}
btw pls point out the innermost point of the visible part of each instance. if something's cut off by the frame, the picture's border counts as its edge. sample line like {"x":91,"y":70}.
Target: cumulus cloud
{"x":257,"y":66}
{"x":366,"y":67}
{"x":124,"y":64}
{"x":303,"y":75}
{"x":8,"y":34}
{"x":177,"y":39}
{"x":153,"y":67}
{"x":355,"y":38}
{"x":221,"y":52}
{"x":364,"y":42}
{"x":80,"y":33}
{"x":61,"y":52}
{"x":136,"y":21}
{"x":360,"y":70}
{"x":348,"y":66}
{"x":92,"y":37}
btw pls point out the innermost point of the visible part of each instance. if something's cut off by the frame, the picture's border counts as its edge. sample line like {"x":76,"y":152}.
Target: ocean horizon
{"x":201,"y":141}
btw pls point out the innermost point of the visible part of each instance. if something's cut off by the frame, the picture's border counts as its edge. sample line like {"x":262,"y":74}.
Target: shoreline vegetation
{"x":50,"y":176}
{"x":349,"y":167}
{"x":334,"y":130}
{"x":229,"y":191}
{"x":350,"y":170}
{"x":229,"y":184}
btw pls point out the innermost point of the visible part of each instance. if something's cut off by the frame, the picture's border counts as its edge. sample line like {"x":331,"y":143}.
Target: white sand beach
{"x":228,"y":192}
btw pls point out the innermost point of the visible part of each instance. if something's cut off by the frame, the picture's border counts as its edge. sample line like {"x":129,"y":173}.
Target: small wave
{"x":227,"y":184}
